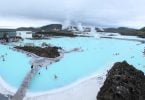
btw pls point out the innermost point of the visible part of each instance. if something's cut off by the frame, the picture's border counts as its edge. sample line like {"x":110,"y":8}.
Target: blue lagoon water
{"x":97,"y":55}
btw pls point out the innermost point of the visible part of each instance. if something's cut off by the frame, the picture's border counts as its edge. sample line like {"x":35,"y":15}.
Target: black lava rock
{"x":50,"y":52}
{"x":123,"y":82}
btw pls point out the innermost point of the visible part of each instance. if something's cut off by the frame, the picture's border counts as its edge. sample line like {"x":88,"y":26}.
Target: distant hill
{"x":58,"y":27}
{"x":26,"y":29}
{"x":127,"y":31}
{"x":142,"y":29}
{"x":51,"y":27}
{"x":43,"y":28}
{"x":7,"y":30}
{"x":121,"y":30}
{"x":46,"y":28}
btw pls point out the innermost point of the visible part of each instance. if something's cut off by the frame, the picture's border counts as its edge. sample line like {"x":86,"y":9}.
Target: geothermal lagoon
{"x":96,"y":56}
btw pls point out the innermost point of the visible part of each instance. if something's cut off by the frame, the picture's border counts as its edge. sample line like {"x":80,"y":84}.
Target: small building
{"x":24,"y":34}
{"x":9,"y":32}
{"x":9,"y":35}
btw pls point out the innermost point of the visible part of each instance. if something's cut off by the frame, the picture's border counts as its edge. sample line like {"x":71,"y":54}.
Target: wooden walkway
{"x":21,"y":92}
{"x":37,"y":64}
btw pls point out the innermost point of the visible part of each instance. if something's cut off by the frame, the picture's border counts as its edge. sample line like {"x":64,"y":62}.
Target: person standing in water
{"x":32,"y":66}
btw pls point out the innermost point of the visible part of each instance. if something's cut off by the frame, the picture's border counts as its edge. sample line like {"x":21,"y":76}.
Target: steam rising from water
{"x":80,"y":28}
{"x":94,"y":32}
{"x":66,"y":24}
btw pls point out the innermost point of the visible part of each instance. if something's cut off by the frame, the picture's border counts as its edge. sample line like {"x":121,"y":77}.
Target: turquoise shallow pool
{"x":97,"y":55}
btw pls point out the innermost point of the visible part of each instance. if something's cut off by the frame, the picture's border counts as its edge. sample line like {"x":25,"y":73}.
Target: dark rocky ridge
{"x":127,"y":31}
{"x":50,"y":52}
{"x":56,"y":33}
{"x":123,"y":82}
{"x":51,"y":27}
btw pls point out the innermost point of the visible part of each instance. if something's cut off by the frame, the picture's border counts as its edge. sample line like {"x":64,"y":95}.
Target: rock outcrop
{"x":50,"y":52}
{"x":123,"y":82}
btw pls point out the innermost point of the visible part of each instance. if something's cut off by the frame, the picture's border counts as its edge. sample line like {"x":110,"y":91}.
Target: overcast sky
{"x":17,"y":13}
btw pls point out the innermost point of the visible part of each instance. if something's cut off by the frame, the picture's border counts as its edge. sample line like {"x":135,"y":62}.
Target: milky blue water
{"x":97,"y":55}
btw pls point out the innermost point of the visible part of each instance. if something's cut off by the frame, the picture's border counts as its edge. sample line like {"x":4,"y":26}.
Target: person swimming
{"x":3,"y":59}
{"x":55,"y":76}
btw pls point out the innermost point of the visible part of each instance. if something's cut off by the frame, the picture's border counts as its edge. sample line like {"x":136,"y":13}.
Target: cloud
{"x":88,"y":12}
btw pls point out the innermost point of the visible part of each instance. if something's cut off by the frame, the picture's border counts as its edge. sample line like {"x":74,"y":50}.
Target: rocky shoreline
{"x":123,"y":82}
